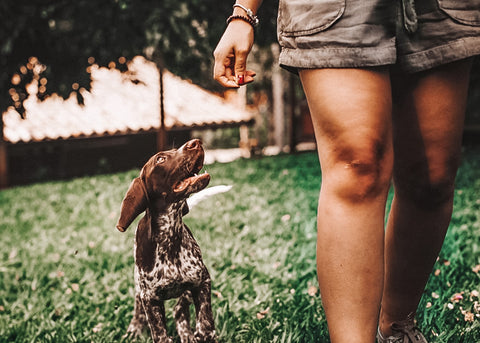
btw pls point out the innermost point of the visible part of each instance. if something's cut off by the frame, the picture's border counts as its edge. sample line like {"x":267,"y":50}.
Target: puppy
{"x":168,"y":261}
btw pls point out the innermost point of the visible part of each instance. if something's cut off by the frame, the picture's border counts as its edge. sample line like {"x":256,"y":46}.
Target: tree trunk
{"x":162,"y":132}
{"x":3,"y":158}
{"x":277,"y":99}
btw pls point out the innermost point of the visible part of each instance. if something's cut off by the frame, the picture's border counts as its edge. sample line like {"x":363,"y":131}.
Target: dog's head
{"x":168,"y":177}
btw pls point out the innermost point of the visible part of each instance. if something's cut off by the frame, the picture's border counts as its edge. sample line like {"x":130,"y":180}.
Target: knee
{"x":362,"y":171}
{"x":427,"y":187}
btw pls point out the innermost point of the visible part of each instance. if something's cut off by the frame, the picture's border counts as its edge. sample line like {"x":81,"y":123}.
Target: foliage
{"x":66,"y":274}
{"x":68,"y":36}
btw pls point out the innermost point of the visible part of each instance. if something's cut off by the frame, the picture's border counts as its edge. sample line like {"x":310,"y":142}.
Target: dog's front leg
{"x":182,"y":318}
{"x":205,"y":326}
{"x":139,"y":320}
{"x":155,"y":311}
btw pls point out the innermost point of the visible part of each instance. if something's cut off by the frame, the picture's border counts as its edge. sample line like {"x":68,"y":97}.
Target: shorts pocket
{"x":306,"y":17}
{"x":463,"y":11}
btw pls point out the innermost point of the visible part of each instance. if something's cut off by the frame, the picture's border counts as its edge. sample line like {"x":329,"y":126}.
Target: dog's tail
{"x":206,"y":193}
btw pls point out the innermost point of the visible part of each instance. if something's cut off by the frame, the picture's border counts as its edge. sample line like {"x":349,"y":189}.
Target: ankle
{"x":385,"y":329}
{"x":387,"y":325}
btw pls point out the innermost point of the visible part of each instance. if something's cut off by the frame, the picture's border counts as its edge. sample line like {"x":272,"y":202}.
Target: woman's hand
{"x":231,"y":54}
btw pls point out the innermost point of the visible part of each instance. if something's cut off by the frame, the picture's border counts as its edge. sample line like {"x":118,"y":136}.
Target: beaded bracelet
{"x":249,"y":12}
{"x":241,"y":17}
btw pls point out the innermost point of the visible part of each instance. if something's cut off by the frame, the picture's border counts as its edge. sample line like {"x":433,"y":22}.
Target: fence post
{"x":3,"y":158}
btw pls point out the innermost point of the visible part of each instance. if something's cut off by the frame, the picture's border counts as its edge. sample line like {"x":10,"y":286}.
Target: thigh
{"x":351,"y":111}
{"x":429,"y":109}
{"x":351,"y":114}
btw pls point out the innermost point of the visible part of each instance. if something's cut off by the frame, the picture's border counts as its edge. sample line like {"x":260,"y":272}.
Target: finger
{"x":248,"y":77}
{"x":223,"y":69}
{"x":219,"y":69}
{"x":240,"y":68}
{"x":226,"y":82}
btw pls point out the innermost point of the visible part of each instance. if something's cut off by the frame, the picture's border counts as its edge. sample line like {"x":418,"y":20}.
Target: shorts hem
{"x":452,"y":51}
{"x":319,"y":58}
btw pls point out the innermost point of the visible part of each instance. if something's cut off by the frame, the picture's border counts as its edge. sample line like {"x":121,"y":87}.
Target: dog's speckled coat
{"x":168,"y":261}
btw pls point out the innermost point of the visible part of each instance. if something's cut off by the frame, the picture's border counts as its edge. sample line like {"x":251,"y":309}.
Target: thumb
{"x":240,"y":67}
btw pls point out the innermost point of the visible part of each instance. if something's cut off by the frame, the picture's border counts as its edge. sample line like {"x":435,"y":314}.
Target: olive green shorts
{"x":413,"y":35}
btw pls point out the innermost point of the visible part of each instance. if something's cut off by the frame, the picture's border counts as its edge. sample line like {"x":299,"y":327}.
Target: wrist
{"x":238,"y":11}
{"x":241,"y":10}
{"x":241,"y":18}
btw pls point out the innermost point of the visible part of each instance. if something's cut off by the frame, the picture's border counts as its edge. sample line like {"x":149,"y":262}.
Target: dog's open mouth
{"x":193,"y":178}
{"x":190,"y":181}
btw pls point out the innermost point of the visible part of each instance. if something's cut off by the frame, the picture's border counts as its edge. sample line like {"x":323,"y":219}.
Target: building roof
{"x":116,"y":106}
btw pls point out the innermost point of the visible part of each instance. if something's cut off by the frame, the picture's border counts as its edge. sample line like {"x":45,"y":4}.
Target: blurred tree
{"x":54,"y":42}
{"x":67,"y":36}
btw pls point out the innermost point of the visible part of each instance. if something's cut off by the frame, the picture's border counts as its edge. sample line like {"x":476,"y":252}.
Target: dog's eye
{"x":161,"y":159}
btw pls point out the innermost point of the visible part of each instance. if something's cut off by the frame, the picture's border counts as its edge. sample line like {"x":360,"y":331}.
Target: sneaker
{"x":404,"y":332}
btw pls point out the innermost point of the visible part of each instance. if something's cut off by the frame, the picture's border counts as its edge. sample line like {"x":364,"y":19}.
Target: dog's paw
{"x":188,"y":339}
{"x":186,"y":336}
{"x":134,"y":331}
{"x":205,"y":337}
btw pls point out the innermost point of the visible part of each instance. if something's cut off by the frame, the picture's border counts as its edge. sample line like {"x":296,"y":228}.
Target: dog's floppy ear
{"x":133,"y":204}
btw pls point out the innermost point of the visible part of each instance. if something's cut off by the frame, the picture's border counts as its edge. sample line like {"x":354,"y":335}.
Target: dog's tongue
{"x":182,"y":185}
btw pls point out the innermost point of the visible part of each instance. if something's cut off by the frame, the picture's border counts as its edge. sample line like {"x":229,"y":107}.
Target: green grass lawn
{"x":66,"y":273}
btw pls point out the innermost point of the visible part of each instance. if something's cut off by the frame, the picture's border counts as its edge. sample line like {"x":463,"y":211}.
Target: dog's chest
{"x":176,"y":264}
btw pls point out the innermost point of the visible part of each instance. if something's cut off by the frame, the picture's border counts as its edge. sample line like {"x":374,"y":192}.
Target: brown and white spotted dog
{"x":168,"y":261}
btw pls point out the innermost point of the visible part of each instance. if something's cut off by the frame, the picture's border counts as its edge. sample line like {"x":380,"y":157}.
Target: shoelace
{"x":411,"y":333}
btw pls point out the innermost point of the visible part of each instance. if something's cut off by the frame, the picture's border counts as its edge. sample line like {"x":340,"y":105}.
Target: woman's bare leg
{"x":428,"y":122}
{"x":351,"y":112}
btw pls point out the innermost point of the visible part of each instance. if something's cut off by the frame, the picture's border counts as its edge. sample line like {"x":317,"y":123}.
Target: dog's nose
{"x":193,"y":144}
